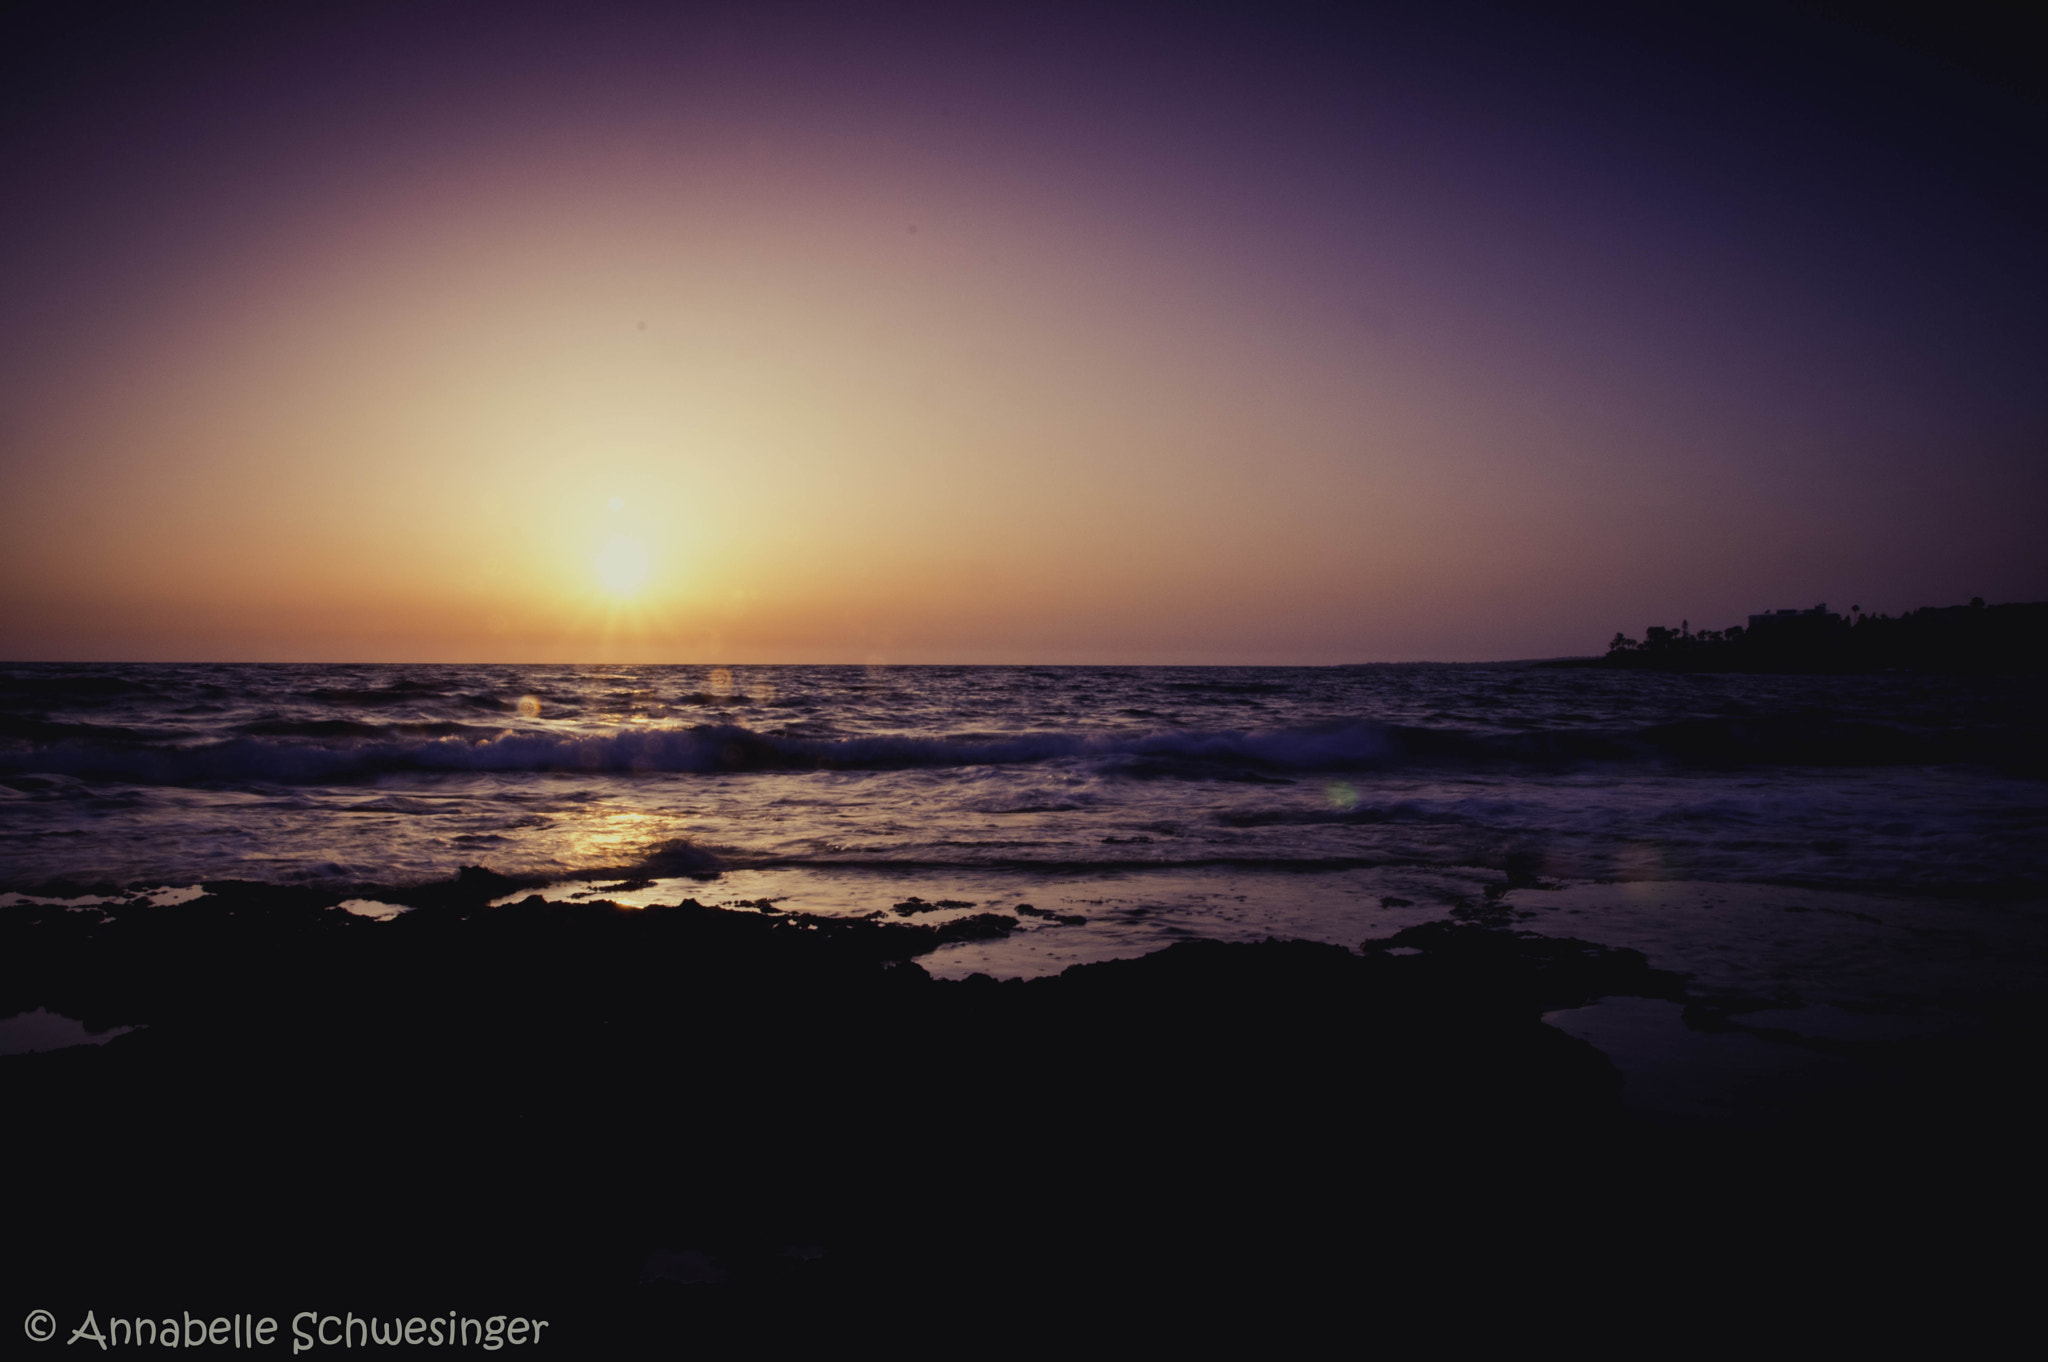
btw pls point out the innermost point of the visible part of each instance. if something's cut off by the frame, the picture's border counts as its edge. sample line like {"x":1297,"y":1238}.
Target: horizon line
{"x":1291,"y":666}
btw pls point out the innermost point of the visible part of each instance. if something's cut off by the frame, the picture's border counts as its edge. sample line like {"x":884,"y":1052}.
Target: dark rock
{"x":979,"y":927}
{"x":532,"y":1101}
{"x":472,"y":888}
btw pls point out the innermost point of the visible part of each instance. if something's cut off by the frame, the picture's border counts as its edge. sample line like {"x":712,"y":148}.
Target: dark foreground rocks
{"x":661,"y":1127}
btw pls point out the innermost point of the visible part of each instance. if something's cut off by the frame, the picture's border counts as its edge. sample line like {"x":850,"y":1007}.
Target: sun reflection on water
{"x":617,"y":837}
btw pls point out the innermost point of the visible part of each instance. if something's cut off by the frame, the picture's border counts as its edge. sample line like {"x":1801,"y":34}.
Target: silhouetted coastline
{"x":1959,"y":639}
{"x":681,"y":1122}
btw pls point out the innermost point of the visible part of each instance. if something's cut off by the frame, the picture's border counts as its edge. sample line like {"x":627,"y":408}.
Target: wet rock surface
{"x":660,"y":1124}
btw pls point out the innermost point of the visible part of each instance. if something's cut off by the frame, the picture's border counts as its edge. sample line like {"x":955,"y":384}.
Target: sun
{"x":622,"y":565}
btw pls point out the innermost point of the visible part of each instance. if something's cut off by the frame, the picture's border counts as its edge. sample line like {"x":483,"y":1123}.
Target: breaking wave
{"x":333,"y":751}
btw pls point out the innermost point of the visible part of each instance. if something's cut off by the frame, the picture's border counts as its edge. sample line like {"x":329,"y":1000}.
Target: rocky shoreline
{"x":662,"y":1124}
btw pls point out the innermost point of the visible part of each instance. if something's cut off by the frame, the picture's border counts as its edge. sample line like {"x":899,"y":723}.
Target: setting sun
{"x":622,"y":565}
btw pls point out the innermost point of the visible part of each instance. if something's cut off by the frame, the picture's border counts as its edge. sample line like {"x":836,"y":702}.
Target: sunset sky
{"x":758,"y":333}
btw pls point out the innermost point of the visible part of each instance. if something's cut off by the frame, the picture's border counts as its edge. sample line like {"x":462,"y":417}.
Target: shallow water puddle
{"x":1670,"y":1069}
{"x":32,"y":1032}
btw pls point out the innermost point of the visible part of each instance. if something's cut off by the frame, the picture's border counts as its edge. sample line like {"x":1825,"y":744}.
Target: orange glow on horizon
{"x":668,"y":336}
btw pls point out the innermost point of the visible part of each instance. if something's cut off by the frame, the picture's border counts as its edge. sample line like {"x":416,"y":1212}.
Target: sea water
{"x":1784,"y":837}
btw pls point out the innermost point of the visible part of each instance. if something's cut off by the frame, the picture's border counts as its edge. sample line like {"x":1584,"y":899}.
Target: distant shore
{"x":1958,"y":639}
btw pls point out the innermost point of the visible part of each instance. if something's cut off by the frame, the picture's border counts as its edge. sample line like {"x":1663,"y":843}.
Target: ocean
{"x":1108,"y":811}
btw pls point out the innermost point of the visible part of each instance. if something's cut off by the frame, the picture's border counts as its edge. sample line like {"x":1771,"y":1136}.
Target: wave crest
{"x":331,"y":751}
{"x":352,"y":752}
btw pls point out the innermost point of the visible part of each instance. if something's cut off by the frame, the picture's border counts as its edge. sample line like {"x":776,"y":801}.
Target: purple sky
{"x":1175,"y":334}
